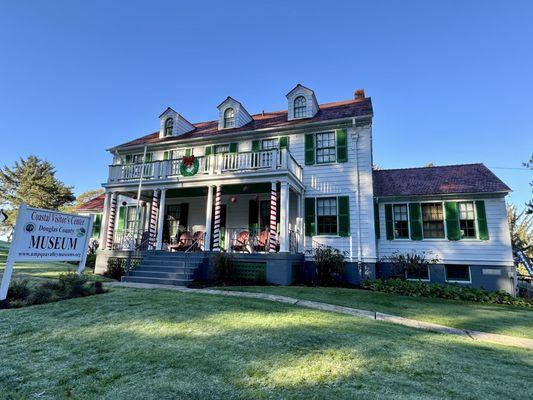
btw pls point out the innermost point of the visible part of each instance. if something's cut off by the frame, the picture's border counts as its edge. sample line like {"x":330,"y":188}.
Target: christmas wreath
{"x":189,"y":166}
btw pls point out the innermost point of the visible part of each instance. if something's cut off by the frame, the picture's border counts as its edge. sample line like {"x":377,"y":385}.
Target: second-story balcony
{"x":246,"y":163}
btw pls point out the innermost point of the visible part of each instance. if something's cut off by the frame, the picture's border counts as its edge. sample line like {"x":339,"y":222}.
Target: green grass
{"x":157,"y":344}
{"x":41,"y":270}
{"x":495,"y":318}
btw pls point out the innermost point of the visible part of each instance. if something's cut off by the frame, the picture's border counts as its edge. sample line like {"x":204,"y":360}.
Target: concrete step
{"x":175,"y":282}
{"x":150,"y":268}
{"x":165,"y":263}
{"x":162,"y":275}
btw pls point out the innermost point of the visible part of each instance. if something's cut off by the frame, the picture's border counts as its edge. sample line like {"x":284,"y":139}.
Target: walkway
{"x":412,"y":323}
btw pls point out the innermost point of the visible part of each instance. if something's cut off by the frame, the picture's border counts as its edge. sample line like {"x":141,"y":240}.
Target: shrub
{"x":40,"y":295}
{"x":91,"y":261}
{"x":329,"y":264}
{"x":18,"y":290}
{"x":444,"y":291}
{"x":409,"y":264}
{"x":73,"y":285}
{"x":224,"y":267}
{"x":115,"y":268}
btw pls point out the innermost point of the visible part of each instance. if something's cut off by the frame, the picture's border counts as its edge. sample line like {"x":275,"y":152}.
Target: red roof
{"x":449,"y":179}
{"x":95,"y":204}
{"x":277,"y":119}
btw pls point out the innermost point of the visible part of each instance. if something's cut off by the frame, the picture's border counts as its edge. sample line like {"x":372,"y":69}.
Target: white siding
{"x":340,"y":179}
{"x":495,"y":251}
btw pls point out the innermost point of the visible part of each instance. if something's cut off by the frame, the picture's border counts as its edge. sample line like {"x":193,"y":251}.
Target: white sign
{"x":44,"y":235}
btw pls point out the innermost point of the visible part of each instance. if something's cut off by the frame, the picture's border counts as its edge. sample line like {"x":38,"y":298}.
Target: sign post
{"x":45,"y":235}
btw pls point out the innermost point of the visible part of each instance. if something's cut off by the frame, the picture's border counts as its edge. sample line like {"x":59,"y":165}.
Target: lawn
{"x":41,"y":270}
{"x":494,"y":318}
{"x":160,"y":344}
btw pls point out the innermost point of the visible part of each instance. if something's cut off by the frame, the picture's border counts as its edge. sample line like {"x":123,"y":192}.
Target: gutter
{"x":359,"y":242}
{"x":227,"y":136}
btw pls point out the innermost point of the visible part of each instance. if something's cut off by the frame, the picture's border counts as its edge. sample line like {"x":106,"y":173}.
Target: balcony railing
{"x":215,"y":164}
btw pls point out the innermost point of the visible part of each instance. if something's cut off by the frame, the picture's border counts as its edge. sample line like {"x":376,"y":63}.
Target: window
{"x":326,"y":216}
{"x":268,"y":144}
{"x":419,"y":273}
{"x":433,"y":220}
{"x":222,"y":148}
{"x":130,"y":217}
{"x":325,"y":147}
{"x":401,"y":221}
{"x":229,"y":118}
{"x":457,"y":273}
{"x":300,"y":107}
{"x":169,"y":125}
{"x":467,"y":220}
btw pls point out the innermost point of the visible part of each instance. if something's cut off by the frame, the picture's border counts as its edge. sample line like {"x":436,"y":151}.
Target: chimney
{"x":359,"y":94}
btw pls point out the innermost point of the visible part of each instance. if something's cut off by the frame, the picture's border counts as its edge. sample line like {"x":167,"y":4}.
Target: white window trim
{"x":327,"y":235}
{"x":458,"y":281}
{"x":476,"y":223}
{"x":408,"y":223}
{"x":316,"y":148}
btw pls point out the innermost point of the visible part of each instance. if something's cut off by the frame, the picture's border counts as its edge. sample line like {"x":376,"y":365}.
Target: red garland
{"x":188,"y":161}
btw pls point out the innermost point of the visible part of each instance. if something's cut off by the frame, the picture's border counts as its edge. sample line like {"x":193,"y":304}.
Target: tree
{"x":81,"y":199}
{"x":521,"y":227}
{"x":529,"y":204}
{"x":32,"y":181}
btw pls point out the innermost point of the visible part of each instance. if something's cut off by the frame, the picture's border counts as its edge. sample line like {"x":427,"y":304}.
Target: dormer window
{"x":300,"y":107}
{"x":169,"y":126}
{"x":229,"y":118}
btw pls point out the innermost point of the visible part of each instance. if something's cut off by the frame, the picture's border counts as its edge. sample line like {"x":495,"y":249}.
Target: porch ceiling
{"x":241,"y":188}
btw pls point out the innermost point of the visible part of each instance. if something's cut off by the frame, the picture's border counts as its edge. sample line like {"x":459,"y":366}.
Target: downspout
{"x":359,"y":243}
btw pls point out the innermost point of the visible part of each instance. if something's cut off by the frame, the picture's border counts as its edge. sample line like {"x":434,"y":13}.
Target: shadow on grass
{"x":160,"y":344}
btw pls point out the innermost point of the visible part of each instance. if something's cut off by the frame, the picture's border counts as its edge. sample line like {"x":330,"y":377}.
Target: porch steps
{"x":166,"y":268}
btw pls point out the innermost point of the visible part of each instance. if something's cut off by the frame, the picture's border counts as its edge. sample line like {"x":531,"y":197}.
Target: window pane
{"x":467,"y":220}
{"x":401,"y":224}
{"x":417,"y":273}
{"x":457,"y":273}
{"x":327,"y":215}
{"x":300,"y":107}
{"x":268,"y":144}
{"x":433,"y":220}
{"x":325,"y":148}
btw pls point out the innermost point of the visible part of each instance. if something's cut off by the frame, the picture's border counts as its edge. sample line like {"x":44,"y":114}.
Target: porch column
{"x":273,"y":217}
{"x":161,"y":219}
{"x":284,"y":245}
{"x":154,"y":210}
{"x":110,"y":236}
{"x":216,"y":228}
{"x":208,"y":218}
{"x":105,"y":216}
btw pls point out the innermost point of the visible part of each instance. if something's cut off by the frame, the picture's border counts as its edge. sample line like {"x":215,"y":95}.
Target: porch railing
{"x":214,"y":164}
{"x":128,"y":239}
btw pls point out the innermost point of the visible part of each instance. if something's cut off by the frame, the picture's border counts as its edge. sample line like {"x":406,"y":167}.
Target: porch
{"x":247,"y":218}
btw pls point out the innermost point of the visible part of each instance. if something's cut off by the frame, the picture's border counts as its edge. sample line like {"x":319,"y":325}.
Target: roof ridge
{"x":435,"y":166}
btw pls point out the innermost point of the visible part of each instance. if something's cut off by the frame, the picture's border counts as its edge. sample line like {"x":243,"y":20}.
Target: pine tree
{"x":32,"y":181}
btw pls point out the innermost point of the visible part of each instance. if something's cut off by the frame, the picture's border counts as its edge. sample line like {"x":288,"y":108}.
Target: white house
{"x":270,"y":187}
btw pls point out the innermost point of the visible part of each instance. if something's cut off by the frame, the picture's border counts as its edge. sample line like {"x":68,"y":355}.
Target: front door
{"x":176,"y":219}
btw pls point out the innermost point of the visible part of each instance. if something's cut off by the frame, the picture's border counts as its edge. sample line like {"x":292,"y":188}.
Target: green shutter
{"x":121,"y":218}
{"x":342,"y":145}
{"x":188,"y":152}
{"x":165,"y":155}
{"x":309,"y":149}
{"x":309,"y":216}
{"x":208,"y":150}
{"x":148,"y":157}
{"x":376,"y":219}
{"x":97,"y":225}
{"x":284,"y":142}
{"x":452,"y":220}
{"x":415,"y":221}
{"x":128,"y":158}
{"x":343,"y":213}
{"x":389,"y":222}
{"x":256,"y":144}
{"x":482,"y":220}
{"x":233,"y":147}
{"x":253,"y":216}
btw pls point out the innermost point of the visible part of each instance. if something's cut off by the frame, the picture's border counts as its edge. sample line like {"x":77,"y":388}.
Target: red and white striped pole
{"x":216,"y":228}
{"x":273,"y":217}
{"x":111,"y":224}
{"x":154,"y":210}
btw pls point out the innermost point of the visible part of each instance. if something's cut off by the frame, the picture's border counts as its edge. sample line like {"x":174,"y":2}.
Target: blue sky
{"x":451,"y":81}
